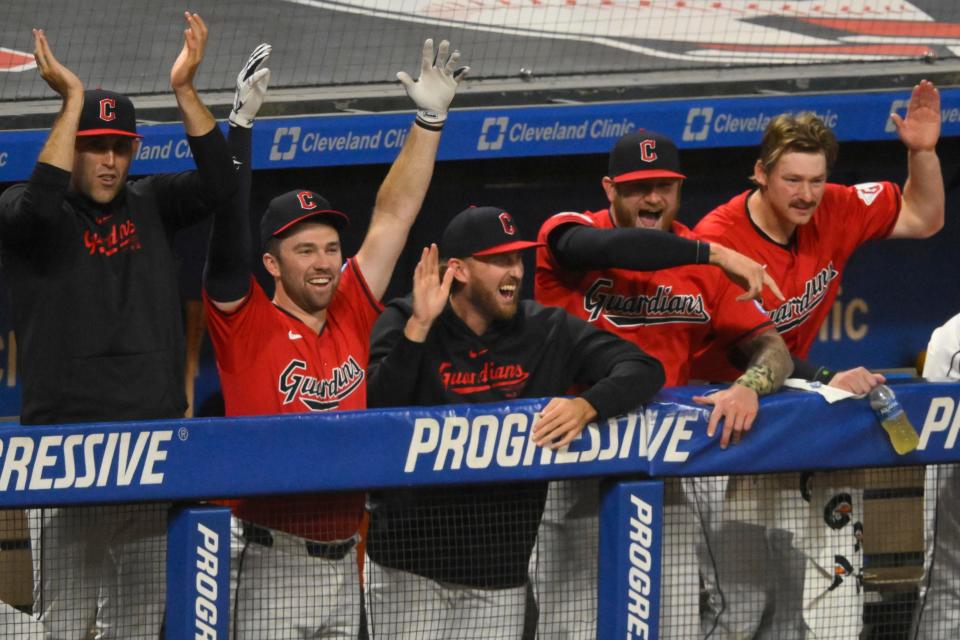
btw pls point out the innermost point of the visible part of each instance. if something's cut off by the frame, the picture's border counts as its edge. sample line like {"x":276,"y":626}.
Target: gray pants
{"x":938,"y":612}
{"x":101,"y":569}
{"x":288,"y":588}
{"x":404,"y":606}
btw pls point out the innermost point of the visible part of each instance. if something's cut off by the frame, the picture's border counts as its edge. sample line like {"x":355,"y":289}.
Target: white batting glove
{"x":434,"y":89}
{"x":251,"y":88}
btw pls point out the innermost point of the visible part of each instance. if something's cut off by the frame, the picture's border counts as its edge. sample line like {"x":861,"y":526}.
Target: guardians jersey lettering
{"x":669,"y":313}
{"x":317,"y":394}
{"x":796,"y":310}
{"x":509,"y":379}
{"x":121,"y":237}
{"x":809,"y":269}
{"x":662,"y":307}
{"x":271,"y":362}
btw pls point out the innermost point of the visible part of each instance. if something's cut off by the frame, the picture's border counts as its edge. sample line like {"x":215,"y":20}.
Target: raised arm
{"x":197,"y":119}
{"x":59,"y":147}
{"x":226,"y":274}
{"x":768,"y":365}
{"x":430,"y":294}
{"x":403,"y":190}
{"x":397,"y":343}
{"x":188,"y":197}
{"x":922,"y":212}
{"x":25,"y":209}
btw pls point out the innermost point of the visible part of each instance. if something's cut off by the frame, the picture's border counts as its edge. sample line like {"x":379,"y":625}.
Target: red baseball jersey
{"x":668,"y":313}
{"x":270,"y":362}
{"x":809,"y":268}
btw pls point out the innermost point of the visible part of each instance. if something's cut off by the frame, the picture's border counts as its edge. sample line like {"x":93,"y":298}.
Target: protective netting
{"x":834,"y":554}
{"x":130,"y":46}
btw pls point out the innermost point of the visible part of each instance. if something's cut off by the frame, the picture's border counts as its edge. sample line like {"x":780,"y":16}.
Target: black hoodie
{"x":96,"y":303}
{"x":481,"y":535}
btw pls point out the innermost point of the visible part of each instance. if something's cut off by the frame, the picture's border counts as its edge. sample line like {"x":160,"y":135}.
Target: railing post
{"x":198,"y":572}
{"x":631,"y":535}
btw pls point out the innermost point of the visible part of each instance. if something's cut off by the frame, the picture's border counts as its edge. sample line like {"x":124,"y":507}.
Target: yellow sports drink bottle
{"x":894,"y":419}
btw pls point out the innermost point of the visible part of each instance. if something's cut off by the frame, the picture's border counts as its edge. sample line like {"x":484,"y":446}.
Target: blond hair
{"x":803,"y":132}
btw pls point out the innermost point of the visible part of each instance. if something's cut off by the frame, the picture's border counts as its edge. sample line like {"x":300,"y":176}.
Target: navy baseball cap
{"x":481,"y":231}
{"x":107,"y":113}
{"x":292,"y":208}
{"x":643,"y":155}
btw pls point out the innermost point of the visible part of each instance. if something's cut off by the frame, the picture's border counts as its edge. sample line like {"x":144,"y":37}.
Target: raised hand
{"x":58,"y":150}
{"x":60,"y":78}
{"x":430,"y":294}
{"x":434,"y":89}
{"x":252,"y":84}
{"x":191,"y":55}
{"x":920,"y":129}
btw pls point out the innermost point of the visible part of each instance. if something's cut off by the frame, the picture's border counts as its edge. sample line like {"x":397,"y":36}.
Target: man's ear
{"x":271,"y":264}
{"x":459,"y":268}
{"x":609,"y":188}
{"x":759,"y":174}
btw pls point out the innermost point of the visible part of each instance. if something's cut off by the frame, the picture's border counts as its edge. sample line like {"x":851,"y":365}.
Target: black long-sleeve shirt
{"x":481,"y":536}
{"x":96,"y":306}
{"x":582,"y":248}
{"x":226,"y":272}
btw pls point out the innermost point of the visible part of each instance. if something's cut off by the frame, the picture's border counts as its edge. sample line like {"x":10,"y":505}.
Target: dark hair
{"x":273,"y":247}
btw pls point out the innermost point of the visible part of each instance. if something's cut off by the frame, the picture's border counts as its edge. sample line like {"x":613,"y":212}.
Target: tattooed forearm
{"x":768,"y":362}
{"x":759,"y":378}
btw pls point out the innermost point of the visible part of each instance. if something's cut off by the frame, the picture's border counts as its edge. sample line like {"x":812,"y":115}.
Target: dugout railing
{"x":186,"y":461}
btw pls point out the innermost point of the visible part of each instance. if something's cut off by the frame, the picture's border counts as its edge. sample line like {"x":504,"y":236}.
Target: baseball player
{"x":251,"y":89}
{"x":451,"y":562}
{"x":611,"y":268}
{"x":93,"y":280}
{"x":938,"y":608}
{"x":805,"y":229}
{"x":306,"y":349}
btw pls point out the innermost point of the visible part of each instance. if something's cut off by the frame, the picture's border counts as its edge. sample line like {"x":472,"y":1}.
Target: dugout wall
{"x":187,"y":460}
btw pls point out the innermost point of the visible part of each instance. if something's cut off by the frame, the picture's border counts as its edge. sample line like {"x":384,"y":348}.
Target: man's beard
{"x":488,"y":303}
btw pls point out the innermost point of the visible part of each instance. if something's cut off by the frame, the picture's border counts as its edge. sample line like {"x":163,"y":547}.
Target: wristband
{"x":758,"y":377}
{"x":703,"y":252}
{"x":427,"y":120}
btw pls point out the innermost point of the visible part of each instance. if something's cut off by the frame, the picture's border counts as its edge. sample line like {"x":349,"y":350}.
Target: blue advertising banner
{"x":356,"y":450}
{"x":350,"y":139}
{"x":631,"y":535}
{"x":198,"y":573}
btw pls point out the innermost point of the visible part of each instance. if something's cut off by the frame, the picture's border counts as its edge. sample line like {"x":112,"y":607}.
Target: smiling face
{"x":652,"y":203}
{"x":491,"y":285}
{"x":101,"y":164}
{"x":793,"y":187}
{"x":306,"y":268}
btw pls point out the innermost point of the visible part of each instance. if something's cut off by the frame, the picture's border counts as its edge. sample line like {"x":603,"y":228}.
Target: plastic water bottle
{"x":894,"y":419}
